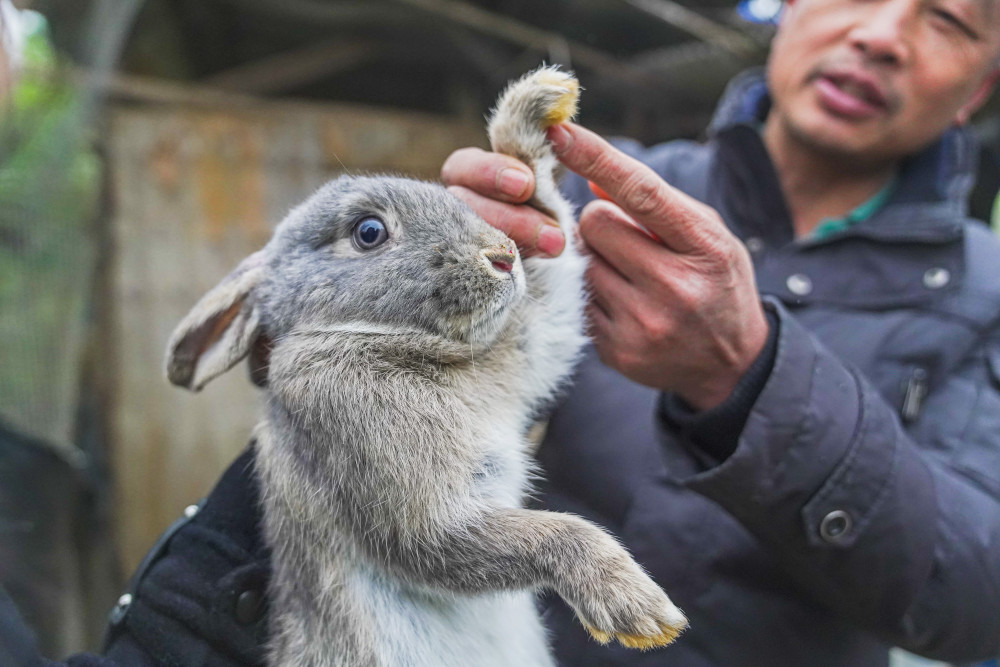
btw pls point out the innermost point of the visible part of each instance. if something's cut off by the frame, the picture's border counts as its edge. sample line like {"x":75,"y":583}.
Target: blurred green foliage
{"x":49,"y":182}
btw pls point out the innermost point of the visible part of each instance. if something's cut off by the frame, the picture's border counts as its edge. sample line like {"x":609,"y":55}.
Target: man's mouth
{"x":851,"y":94}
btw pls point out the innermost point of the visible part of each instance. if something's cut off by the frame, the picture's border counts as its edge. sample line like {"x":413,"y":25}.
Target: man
{"x":813,"y":475}
{"x":821,"y":478}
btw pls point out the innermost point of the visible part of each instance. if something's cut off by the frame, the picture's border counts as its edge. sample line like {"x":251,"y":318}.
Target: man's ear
{"x":978,"y":98}
{"x":219,"y":331}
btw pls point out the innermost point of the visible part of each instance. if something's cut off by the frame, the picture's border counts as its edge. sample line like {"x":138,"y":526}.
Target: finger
{"x":608,"y":288}
{"x":596,"y":301}
{"x":683,"y":223}
{"x":599,"y":324}
{"x":532,"y":231}
{"x":490,"y":174}
{"x":608,"y":231}
{"x":601,"y":194}
{"x":601,"y":330}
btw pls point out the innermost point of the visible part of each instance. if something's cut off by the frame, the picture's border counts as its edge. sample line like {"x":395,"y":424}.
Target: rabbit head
{"x":362,"y":251}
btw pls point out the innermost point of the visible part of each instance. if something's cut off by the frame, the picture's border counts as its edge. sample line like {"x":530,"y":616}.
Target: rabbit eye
{"x":369,"y":233}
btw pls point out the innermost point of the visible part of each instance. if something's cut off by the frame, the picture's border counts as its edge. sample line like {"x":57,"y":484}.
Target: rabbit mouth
{"x":485,"y":321}
{"x":502,"y":260}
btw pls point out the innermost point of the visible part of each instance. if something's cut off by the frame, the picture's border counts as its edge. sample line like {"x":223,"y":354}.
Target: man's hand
{"x":496,"y":187}
{"x":679,"y":311}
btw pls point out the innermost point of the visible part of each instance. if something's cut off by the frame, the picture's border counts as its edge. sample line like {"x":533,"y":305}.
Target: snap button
{"x":754,"y":244}
{"x":120,"y":609}
{"x":835,"y":526}
{"x":936,"y":278}
{"x":799,"y":284}
{"x":190,"y":511}
{"x":249,"y":606}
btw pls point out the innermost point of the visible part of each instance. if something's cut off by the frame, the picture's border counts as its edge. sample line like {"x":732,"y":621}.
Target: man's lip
{"x":850,"y":94}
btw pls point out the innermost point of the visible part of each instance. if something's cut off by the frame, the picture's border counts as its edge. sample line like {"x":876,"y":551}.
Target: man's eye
{"x":370,"y":233}
{"x":955,"y":22}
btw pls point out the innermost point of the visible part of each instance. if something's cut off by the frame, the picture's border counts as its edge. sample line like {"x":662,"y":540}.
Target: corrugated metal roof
{"x":635,"y":57}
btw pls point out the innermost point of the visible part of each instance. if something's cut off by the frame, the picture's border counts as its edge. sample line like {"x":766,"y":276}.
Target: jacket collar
{"x":931,"y":199}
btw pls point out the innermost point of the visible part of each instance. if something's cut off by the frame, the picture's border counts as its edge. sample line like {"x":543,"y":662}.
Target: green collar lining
{"x":863,"y":212}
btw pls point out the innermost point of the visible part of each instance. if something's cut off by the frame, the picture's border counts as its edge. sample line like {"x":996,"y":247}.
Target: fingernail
{"x":551,"y":240}
{"x":561,"y":138}
{"x":513,"y":182}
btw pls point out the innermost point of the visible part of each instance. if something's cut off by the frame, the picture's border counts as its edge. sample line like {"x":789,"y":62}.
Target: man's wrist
{"x":722,"y":385}
{"x":716,"y":431}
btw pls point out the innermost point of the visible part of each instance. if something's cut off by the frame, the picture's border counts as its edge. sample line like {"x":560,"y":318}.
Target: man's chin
{"x":842,"y":139}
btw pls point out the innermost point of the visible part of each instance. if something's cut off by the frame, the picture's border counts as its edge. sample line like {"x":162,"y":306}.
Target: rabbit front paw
{"x":627,"y":606}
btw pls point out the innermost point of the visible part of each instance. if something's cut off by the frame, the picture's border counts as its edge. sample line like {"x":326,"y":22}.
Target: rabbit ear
{"x":219,"y":330}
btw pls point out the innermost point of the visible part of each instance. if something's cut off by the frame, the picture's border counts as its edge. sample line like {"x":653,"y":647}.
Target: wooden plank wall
{"x":195,"y":189}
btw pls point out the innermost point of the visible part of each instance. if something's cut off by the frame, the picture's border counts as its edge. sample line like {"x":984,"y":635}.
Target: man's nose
{"x":882,"y":31}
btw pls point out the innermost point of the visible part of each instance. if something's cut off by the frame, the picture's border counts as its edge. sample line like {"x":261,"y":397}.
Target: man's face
{"x":876,"y":80}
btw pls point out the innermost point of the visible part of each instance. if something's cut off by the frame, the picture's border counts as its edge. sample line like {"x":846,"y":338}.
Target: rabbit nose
{"x":501,"y":258}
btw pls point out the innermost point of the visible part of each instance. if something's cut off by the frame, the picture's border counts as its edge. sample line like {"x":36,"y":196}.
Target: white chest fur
{"x":422,"y":628}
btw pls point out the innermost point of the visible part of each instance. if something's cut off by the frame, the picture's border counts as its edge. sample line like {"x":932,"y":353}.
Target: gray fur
{"x":393,"y":455}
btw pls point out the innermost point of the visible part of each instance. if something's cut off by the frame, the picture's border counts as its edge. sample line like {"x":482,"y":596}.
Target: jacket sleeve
{"x":199,"y":596}
{"x":898,"y":530}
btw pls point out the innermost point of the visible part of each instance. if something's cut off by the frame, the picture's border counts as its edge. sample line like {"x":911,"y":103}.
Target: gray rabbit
{"x":407,"y":350}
